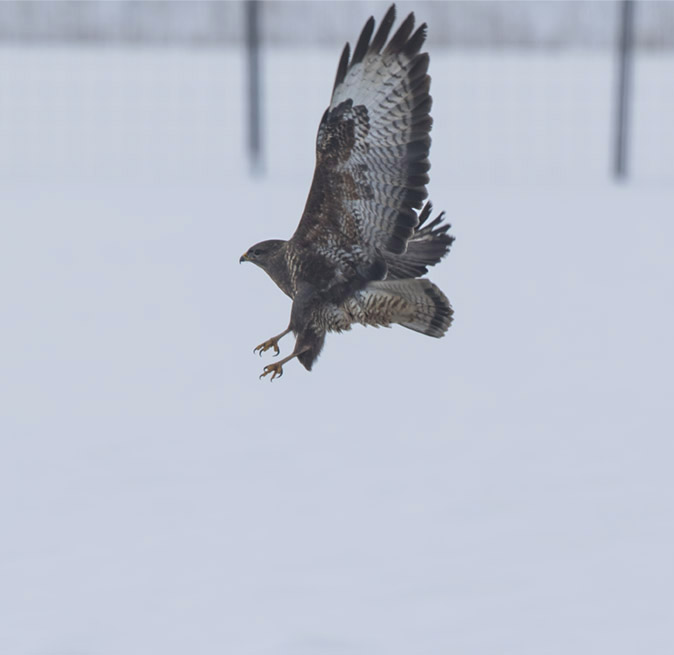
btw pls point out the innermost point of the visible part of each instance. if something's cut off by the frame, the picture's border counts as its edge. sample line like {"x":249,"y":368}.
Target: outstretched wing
{"x":371,"y":151}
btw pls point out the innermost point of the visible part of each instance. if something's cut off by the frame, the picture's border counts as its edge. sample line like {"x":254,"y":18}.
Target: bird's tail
{"x":416,"y":304}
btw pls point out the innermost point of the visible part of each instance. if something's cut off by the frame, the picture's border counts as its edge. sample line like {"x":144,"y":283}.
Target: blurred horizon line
{"x":478,"y":24}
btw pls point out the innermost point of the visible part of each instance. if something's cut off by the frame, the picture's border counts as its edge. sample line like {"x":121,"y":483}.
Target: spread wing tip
{"x":384,"y":30}
{"x":363,"y":42}
{"x":413,"y":46}
{"x":401,"y":42}
{"x":399,"y":39}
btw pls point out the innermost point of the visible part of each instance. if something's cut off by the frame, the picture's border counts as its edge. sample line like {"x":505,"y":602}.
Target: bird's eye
{"x":257,"y":251}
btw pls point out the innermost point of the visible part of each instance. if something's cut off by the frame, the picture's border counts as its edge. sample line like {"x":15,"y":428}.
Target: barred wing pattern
{"x":364,"y":237}
{"x":371,"y":153}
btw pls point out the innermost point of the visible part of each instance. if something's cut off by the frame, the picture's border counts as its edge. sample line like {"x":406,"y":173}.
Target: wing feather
{"x":383,"y":31}
{"x":363,"y":42}
{"x":399,"y":39}
{"x":371,"y":151}
{"x":342,"y":67}
{"x":428,"y":245}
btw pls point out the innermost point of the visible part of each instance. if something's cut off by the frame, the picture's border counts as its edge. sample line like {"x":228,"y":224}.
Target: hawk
{"x":363,"y":243}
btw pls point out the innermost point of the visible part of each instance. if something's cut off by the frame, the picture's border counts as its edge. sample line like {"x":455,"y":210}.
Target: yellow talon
{"x":269,"y":343}
{"x":276,"y":371}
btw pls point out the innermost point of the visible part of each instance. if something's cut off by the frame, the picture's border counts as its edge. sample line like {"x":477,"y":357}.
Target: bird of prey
{"x":363,"y":243}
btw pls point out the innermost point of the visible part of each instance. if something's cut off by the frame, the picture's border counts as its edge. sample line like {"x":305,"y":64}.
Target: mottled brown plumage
{"x":361,"y":243}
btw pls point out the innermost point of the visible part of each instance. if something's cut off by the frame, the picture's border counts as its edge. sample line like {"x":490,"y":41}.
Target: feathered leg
{"x":309,"y":342}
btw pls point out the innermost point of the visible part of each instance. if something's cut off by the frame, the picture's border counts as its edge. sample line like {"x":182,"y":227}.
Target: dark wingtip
{"x":417,"y":39}
{"x":384,"y":30}
{"x":342,"y":68}
{"x":399,"y":39}
{"x":401,"y":42}
{"x":363,"y":42}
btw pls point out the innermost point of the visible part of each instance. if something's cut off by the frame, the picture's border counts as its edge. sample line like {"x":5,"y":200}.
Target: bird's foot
{"x":275,"y":369}
{"x":267,"y":345}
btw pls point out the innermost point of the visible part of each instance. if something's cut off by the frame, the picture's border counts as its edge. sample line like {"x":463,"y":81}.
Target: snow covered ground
{"x":507,"y":489}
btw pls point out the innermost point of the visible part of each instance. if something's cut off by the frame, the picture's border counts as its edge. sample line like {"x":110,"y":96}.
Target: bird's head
{"x":263,"y":253}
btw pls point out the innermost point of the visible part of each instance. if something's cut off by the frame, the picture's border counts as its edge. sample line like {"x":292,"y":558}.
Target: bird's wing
{"x":372,"y":150}
{"x":426,"y":247}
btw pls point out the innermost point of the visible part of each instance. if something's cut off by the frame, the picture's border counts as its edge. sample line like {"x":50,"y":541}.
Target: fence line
{"x":624,"y":87}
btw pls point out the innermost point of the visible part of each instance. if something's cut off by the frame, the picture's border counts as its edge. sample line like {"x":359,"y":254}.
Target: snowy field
{"x":507,"y":489}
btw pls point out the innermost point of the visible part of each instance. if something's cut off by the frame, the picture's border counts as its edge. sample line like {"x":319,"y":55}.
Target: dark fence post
{"x":253,"y":10}
{"x":624,"y":87}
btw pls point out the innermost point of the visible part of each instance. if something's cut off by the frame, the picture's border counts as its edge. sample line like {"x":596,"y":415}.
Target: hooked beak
{"x":243,"y":258}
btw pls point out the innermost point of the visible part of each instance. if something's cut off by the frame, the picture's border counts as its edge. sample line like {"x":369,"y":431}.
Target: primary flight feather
{"x":362,"y":242}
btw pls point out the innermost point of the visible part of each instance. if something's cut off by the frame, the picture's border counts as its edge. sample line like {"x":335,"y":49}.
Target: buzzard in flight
{"x":363,"y":242}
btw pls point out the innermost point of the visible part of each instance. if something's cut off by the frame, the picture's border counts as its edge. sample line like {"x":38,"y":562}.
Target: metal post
{"x":253,"y":8}
{"x":625,"y":64}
